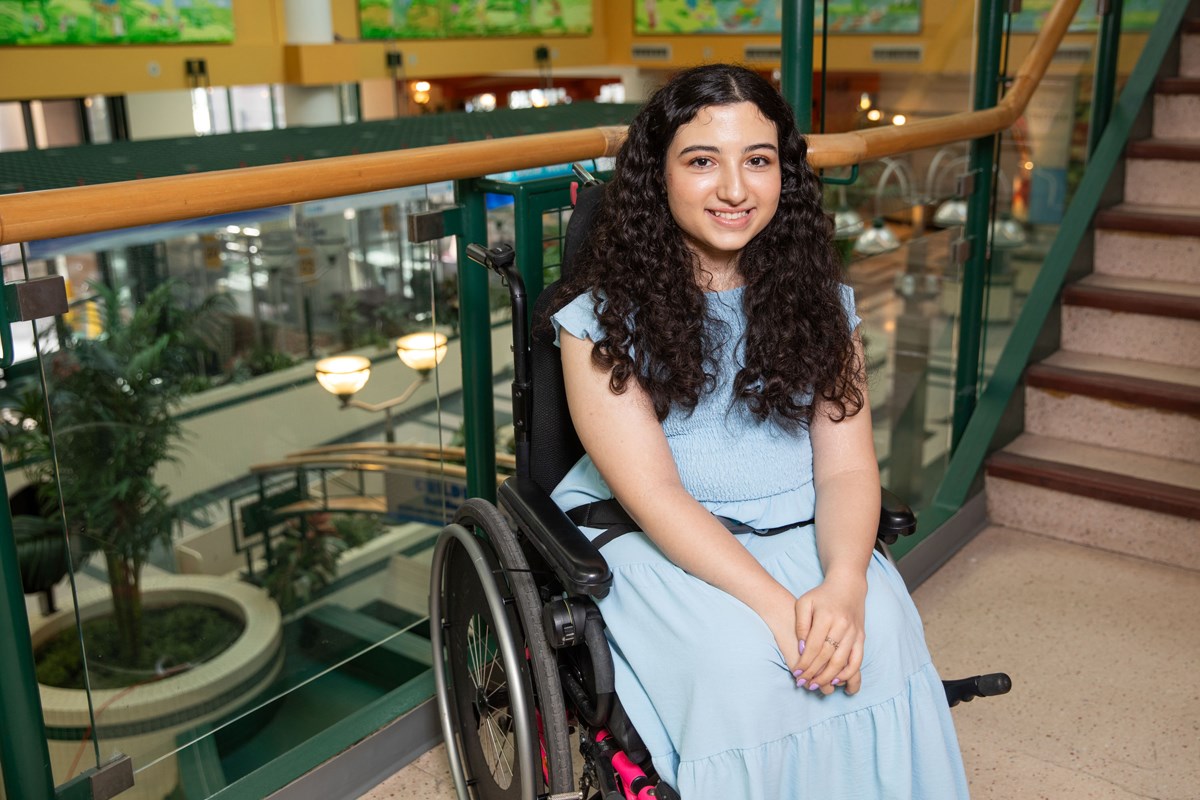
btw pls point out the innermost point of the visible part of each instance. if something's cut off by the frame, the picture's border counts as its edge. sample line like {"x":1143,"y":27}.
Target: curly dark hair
{"x":657,"y":330}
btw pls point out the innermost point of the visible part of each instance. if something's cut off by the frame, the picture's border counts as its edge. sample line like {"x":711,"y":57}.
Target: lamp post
{"x":344,"y":376}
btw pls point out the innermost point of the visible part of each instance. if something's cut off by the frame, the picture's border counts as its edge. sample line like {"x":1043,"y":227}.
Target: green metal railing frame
{"x":980,"y":432}
{"x":1104,"y":85}
{"x":25,"y":756}
{"x":982,"y":163}
{"x":531,"y":200}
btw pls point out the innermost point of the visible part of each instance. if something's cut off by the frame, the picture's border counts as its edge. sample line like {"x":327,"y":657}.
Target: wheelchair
{"x":521,"y":662}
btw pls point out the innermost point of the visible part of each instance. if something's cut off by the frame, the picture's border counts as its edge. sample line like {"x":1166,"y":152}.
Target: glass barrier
{"x":896,"y":227}
{"x":248,"y":554}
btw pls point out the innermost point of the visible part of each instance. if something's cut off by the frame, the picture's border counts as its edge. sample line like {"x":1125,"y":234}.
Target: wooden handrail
{"x":52,"y":213}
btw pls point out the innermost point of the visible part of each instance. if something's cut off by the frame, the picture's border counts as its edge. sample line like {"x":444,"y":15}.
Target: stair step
{"x":1157,"y":321}
{"x":1100,"y":484}
{"x":1150,"y":219}
{"x":1134,"y":504}
{"x":1163,"y":172}
{"x":1146,"y":392}
{"x":1134,"y":296}
{"x":1189,"y":50}
{"x":1126,"y":405}
{"x":1176,"y":111}
{"x":1149,"y":243}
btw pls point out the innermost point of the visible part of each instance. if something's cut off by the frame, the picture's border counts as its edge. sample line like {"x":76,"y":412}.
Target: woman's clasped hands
{"x":829,"y":630}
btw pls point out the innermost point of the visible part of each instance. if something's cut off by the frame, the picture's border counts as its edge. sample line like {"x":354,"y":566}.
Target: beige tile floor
{"x":1103,"y":650}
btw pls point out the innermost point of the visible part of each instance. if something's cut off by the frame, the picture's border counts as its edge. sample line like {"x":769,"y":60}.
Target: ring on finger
{"x":832,"y":642}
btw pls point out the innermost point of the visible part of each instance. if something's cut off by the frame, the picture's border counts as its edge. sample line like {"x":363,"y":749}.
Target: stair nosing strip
{"x":1180,"y":84}
{"x":1096,"y":484}
{"x":1163,"y":395}
{"x":1163,"y":150}
{"x":1132,"y":301}
{"x":1115,"y":219}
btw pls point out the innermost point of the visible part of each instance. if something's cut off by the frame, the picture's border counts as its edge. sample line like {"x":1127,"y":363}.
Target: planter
{"x":143,"y":722}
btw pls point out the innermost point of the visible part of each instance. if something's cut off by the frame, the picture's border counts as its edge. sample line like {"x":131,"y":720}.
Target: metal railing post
{"x":24,"y":756}
{"x":796,"y":63}
{"x":475,"y":336}
{"x":982,"y":163}
{"x":1105,"y":80}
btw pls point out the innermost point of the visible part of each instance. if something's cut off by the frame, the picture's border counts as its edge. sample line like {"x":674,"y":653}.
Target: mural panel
{"x":84,"y":22}
{"x":440,"y":19}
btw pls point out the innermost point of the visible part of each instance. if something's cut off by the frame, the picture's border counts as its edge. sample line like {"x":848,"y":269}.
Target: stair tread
{"x":1099,"y":484}
{"x":1135,"y":296}
{"x":1132,"y":368}
{"x":1167,"y":220}
{"x":1122,"y":388}
{"x":1169,"y":149}
{"x":1180,"y":85}
{"x":1146,"y":285}
{"x":1156,"y":469}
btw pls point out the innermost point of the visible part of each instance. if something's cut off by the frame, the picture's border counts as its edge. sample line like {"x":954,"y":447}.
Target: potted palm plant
{"x":94,"y":459}
{"x":111,"y":401}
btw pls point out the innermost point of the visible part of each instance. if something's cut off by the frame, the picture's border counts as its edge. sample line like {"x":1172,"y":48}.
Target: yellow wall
{"x":260,"y":54}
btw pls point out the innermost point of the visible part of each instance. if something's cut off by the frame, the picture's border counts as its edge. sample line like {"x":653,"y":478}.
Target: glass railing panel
{"x":326,"y":678}
{"x":897,"y":226}
{"x":304,"y":525}
{"x":1041,"y":160}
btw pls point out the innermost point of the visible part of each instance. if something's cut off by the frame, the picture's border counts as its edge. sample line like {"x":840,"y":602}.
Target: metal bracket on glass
{"x":960,"y":250}
{"x":1103,"y":7}
{"x":966,"y":184}
{"x":846,"y":181}
{"x":429,"y":225}
{"x":1014,"y":6}
{"x":99,"y":784}
{"x":24,"y":301}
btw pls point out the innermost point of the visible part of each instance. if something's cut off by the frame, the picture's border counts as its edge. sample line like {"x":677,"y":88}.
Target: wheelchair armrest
{"x":578,"y":564}
{"x":896,"y":519}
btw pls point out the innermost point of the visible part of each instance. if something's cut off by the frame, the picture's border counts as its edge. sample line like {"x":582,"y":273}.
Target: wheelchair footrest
{"x":964,"y":690}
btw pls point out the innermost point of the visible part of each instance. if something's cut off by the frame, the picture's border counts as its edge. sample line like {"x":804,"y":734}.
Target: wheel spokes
{"x":496,"y":725}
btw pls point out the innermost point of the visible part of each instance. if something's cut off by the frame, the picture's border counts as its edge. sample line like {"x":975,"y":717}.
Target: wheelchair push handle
{"x":502,"y":260}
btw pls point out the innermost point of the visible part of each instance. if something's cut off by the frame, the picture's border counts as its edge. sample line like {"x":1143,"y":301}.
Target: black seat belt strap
{"x":615,"y":521}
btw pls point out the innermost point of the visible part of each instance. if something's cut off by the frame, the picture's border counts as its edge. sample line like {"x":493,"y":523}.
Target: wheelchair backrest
{"x":554,"y":447}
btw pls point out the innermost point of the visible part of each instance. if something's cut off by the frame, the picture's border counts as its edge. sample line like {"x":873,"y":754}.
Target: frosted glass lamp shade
{"x":950,"y":213}
{"x":1007,"y":233}
{"x":879,"y":238}
{"x":422,"y":351}
{"x":343,"y":375}
{"x":846,"y":223}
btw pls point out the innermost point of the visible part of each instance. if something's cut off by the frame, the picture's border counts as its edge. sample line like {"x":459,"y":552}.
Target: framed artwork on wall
{"x":1137,"y":15}
{"x":89,"y":22}
{"x":446,"y":19}
{"x":748,"y":17}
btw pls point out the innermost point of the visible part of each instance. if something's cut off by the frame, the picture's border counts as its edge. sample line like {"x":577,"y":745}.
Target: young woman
{"x":714,"y":373}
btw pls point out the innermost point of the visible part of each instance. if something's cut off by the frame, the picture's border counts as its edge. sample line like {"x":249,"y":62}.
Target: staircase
{"x":1110,"y":456}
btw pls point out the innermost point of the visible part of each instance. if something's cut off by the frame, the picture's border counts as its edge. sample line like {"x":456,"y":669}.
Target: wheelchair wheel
{"x":543,"y":662}
{"x":486,"y":706}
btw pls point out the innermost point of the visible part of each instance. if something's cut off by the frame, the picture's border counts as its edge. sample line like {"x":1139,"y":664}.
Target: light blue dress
{"x":699,"y":673}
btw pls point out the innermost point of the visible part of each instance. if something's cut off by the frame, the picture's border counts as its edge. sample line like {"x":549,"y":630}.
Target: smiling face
{"x":723,"y":180}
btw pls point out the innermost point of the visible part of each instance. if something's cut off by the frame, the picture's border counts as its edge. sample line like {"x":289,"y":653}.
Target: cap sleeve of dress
{"x":578,"y":318}
{"x":848,"y":304}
